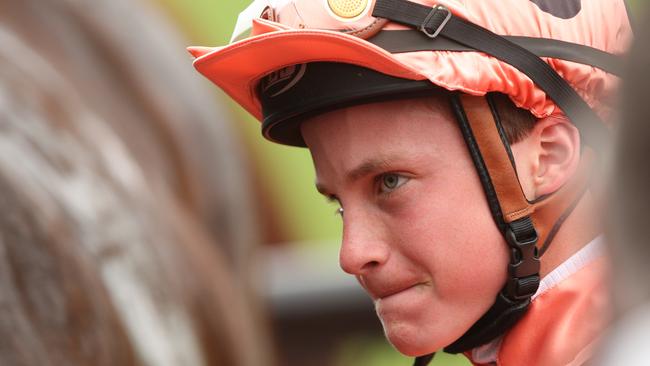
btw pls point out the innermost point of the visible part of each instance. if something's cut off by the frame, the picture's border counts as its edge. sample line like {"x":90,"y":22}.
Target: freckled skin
{"x":430,"y":243}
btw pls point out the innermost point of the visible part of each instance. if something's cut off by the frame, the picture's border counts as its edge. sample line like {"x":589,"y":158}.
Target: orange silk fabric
{"x":563,"y":325}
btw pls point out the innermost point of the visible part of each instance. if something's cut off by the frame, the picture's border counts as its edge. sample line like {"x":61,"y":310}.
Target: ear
{"x":548,"y":157}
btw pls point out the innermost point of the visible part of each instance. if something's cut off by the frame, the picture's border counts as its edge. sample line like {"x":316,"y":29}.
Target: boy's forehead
{"x":385,"y":123}
{"x":391,"y":135}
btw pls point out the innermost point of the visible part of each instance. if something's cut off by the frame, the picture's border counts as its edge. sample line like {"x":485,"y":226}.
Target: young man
{"x":449,"y":193}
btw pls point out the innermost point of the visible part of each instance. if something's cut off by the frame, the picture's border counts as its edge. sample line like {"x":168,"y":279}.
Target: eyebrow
{"x":367,"y":167}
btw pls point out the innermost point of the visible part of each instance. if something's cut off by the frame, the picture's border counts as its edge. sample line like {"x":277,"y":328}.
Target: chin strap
{"x":524,"y":224}
{"x":423,"y":360}
{"x":489,"y":150}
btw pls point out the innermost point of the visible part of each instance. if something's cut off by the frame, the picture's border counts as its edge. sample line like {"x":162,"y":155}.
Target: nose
{"x":363,"y":247}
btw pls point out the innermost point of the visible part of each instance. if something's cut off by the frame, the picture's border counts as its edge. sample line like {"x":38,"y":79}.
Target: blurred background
{"x":145,"y":217}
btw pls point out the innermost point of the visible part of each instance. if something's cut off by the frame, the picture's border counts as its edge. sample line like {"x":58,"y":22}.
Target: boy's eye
{"x":390,"y":182}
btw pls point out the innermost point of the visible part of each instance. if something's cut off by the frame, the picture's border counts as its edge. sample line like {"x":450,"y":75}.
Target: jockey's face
{"x":417,"y":231}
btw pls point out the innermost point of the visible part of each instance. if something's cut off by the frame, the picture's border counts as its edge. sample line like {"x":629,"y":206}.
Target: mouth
{"x":387,"y":293}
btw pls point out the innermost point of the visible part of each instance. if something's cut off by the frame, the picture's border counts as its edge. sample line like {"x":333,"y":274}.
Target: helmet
{"x":291,"y":59}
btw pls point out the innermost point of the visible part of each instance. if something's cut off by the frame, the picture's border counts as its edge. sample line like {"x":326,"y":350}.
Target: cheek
{"x":449,"y":231}
{"x":448,"y":234}
{"x":465,"y":253}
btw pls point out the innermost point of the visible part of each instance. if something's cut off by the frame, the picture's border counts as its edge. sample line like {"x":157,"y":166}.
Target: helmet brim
{"x":238,"y":68}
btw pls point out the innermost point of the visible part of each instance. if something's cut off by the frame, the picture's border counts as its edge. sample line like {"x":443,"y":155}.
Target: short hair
{"x":517,"y":122}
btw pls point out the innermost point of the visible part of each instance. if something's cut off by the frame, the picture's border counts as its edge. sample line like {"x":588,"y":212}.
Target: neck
{"x":580,"y":228}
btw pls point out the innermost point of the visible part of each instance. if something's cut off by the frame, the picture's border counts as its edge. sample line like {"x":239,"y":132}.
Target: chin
{"x":413,"y":340}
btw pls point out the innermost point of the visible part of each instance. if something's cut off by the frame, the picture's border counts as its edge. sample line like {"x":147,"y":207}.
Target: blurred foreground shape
{"x":127,"y":227}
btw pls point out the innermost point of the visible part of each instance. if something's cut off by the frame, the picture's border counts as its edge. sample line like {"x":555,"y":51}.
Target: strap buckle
{"x":524,"y":263}
{"x":518,"y":289}
{"x":437,"y":19}
{"x":524,"y":256}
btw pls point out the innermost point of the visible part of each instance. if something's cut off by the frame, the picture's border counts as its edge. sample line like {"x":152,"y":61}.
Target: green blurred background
{"x":285,"y":175}
{"x":285,"y":172}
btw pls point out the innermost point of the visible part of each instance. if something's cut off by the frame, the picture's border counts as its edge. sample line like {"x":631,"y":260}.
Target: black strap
{"x":523,"y":270}
{"x":503,"y":314}
{"x":560,"y":221}
{"x":479,"y":163}
{"x":515,"y":297}
{"x":502,"y":133}
{"x":440,"y":21}
{"x":400,"y":41}
{"x":423,"y":360}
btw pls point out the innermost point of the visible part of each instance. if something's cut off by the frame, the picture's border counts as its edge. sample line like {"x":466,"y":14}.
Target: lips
{"x":380,"y":290}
